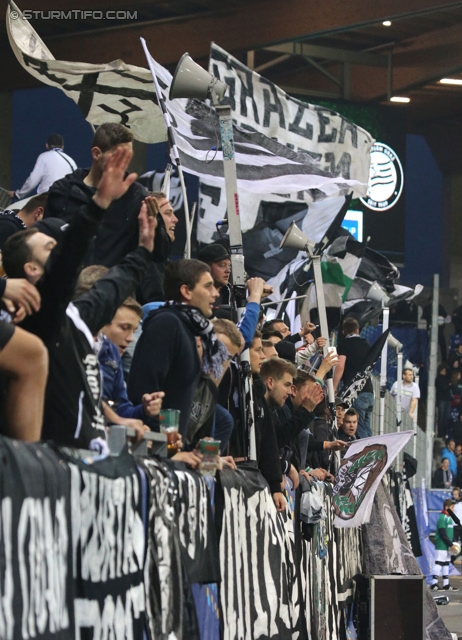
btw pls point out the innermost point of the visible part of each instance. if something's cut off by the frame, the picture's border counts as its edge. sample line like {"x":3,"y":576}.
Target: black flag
{"x":357,"y":380}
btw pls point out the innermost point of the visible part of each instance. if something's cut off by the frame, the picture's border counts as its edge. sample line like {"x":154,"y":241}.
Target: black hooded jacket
{"x":73,"y":414}
{"x":265,"y":436}
{"x":10,"y":223}
{"x":118,"y":233}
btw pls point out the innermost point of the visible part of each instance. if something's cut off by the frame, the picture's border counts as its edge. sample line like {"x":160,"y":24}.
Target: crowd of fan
{"x":449,"y":409}
{"x":80,"y":259}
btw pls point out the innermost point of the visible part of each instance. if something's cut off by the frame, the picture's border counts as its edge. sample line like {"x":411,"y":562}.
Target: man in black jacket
{"x":279,"y":325}
{"x":73,"y":415}
{"x":293,"y":419}
{"x":352,"y":351}
{"x":267,"y":448}
{"x":118,"y":232}
{"x":166,"y":357}
{"x":443,"y":478}
{"x":347,"y":431}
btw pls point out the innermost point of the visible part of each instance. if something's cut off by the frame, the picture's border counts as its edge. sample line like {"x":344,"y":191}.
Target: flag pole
{"x":399,"y":390}
{"x":237,"y":258}
{"x":430,"y":423}
{"x":383,"y":372}
{"x":316,"y":260}
{"x":173,"y":149}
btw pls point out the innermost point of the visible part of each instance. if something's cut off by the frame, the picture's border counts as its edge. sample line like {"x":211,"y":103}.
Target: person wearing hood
{"x":152,"y":287}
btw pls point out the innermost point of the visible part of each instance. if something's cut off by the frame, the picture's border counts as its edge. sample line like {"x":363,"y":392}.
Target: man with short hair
{"x":347,"y":432}
{"x":50,"y":166}
{"x":340,"y":407}
{"x":449,"y":453}
{"x":118,"y":232}
{"x":278,"y":324}
{"x":410,"y":392}
{"x":278,"y":375}
{"x":166,"y":356}
{"x":443,"y":478}
{"x":73,"y":415}
{"x":352,"y":351}
{"x":13,"y":220}
{"x":269,"y":349}
{"x":267,"y":449}
{"x":114,"y":339}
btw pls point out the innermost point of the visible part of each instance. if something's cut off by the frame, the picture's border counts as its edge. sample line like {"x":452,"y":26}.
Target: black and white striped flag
{"x":112,"y":92}
{"x":263,"y":165}
{"x":334,"y":143}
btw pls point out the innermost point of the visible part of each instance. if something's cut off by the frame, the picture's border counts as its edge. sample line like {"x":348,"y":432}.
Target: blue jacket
{"x":450,"y":455}
{"x":114,"y":387}
{"x":247,"y":325}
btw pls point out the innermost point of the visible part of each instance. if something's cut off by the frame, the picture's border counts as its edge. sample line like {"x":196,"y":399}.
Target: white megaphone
{"x":294,"y":238}
{"x":394,"y":343}
{"x":190,"y":80}
{"x":377,"y":294}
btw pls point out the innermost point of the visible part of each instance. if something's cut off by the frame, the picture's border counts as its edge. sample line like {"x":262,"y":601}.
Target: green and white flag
{"x":363,"y":467}
{"x":339,"y":265}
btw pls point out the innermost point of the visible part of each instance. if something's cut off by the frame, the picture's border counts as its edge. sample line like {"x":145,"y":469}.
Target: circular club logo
{"x":385,"y":178}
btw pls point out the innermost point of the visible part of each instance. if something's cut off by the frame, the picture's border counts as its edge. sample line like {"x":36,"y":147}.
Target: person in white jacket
{"x":50,"y":166}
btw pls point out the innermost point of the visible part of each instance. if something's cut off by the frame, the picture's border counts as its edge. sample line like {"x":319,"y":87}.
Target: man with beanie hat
{"x":219,"y":261}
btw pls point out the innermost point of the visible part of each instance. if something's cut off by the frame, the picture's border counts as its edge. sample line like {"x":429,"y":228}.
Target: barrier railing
{"x":111,"y":548}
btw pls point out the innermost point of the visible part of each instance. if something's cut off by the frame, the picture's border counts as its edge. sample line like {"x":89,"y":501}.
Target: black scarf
{"x":215,"y":354}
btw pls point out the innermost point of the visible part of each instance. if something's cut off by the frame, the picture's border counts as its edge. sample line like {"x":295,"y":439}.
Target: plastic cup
{"x":169,"y":420}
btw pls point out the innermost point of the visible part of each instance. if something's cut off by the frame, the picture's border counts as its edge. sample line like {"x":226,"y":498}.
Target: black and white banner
{"x":108,"y":549}
{"x":112,"y":92}
{"x":259,"y":590}
{"x":263,"y":164}
{"x":335,"y":144}
{"x":36,"y":586}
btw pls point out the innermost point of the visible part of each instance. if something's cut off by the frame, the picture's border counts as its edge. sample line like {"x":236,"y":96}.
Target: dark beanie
{"x":213,"y":253}
{"x":53,"y":227}
{"x":286,"y":350}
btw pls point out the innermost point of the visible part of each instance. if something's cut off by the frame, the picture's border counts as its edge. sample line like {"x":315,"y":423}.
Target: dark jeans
{"x":444,"y":411}
{"x":364,"y":405}
{"x":223,"y":427}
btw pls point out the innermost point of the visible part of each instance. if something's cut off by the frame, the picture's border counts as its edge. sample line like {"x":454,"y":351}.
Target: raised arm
{"x":98,"y":306}
{"x":61,"y":270}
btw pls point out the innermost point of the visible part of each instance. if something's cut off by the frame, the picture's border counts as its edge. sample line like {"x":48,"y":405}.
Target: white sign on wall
{"x":385,"y":178}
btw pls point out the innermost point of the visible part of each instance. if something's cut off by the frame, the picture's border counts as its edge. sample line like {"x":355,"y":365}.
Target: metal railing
{"x":417,"y":446}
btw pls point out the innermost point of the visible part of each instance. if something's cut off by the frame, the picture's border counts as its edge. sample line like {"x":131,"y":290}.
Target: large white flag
{"x":359,"y":475}
{"x":333,"y":142}
{"x":263,"y":165}
{"x":112,"y":92}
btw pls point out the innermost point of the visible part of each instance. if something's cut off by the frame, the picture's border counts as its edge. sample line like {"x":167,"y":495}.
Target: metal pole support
{"x":316,"y":260}
{"x":237,"y":256}
{"x":383,"y":372}
{"x":430,"y":422}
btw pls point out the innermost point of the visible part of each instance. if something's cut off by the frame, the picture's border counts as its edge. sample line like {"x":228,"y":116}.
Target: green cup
{"x":169,"y":418}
